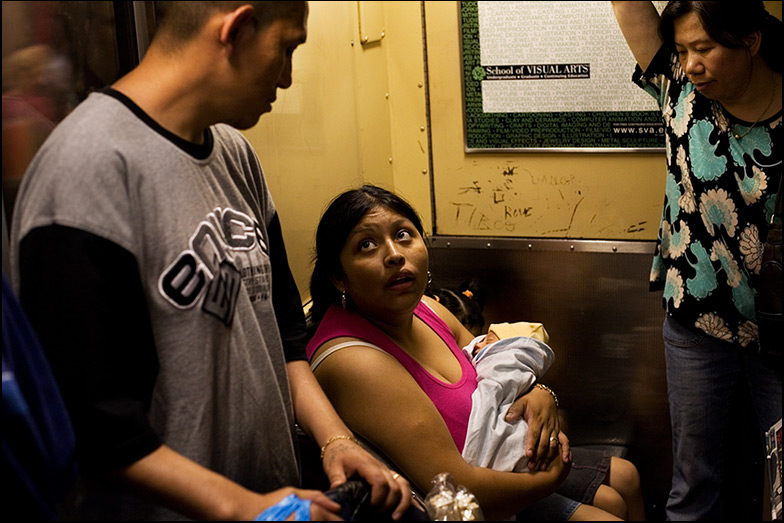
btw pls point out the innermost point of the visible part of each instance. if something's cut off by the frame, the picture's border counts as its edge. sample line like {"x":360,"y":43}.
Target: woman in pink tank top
{"x":390,"y":361}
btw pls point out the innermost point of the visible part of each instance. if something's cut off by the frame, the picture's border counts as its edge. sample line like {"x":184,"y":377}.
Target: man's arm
{"x":83,"y":295}
{"x":199,"y":493}
{"x":639,"y":23}
{"x":84,"y":298}
{"x":285,"y":297}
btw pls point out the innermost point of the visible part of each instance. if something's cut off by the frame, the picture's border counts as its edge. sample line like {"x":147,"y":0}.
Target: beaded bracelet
{"x":552,"y":393}
{"x":333,"y":439}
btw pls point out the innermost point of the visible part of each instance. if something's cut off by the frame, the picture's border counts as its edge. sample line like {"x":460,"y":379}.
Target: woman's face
{"x":384,"y":264}
{"x":718,"y":72}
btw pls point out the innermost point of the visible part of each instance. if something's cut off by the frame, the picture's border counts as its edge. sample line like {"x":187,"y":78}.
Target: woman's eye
{"x":365,"y":245}
{"x":403,"y":235}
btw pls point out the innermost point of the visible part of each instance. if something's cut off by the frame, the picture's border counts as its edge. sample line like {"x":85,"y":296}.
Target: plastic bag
{"x":354,"y":498}
{"x":447,"y":502}
{"x":291,"y":504}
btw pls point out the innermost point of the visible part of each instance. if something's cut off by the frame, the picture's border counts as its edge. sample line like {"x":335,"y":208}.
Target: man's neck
{"x":170,"y":93}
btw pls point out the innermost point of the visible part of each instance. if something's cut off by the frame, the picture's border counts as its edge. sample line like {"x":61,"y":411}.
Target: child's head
{"x":466,"y":303}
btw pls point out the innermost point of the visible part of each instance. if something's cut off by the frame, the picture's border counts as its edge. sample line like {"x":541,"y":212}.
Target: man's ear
{"x":234,"y":23}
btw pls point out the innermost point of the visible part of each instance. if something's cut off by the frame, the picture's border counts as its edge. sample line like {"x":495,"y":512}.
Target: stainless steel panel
{"x":605,"y":329}
{"x":604,"y":326}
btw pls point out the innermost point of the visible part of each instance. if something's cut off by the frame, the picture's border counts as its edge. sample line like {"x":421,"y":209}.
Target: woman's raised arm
{"x":639,"y":23}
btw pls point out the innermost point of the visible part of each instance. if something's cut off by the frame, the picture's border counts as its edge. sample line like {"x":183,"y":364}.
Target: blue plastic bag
{"x":291,"y":504}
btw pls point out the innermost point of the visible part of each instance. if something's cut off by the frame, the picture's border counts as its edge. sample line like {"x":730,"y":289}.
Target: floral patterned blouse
{"x":719,"y":198}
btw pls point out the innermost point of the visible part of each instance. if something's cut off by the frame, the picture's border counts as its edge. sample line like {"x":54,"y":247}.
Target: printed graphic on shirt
{"x":226,"y":253}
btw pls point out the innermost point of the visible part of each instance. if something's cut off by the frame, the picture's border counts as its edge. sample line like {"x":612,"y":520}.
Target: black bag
{"x":768,"y":297}
{"x":354,"y":498}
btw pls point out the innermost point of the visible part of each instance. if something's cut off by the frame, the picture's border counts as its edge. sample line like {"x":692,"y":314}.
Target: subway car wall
{"x":388,"y":110}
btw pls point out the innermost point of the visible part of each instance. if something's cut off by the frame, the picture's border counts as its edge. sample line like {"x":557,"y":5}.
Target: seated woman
{"x":412,"y":398}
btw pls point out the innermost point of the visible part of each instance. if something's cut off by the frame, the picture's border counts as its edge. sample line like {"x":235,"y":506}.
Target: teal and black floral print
{"x":722,"y":177}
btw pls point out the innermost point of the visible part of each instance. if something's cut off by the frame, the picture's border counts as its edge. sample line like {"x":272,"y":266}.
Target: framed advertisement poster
{"x":551,"y":75}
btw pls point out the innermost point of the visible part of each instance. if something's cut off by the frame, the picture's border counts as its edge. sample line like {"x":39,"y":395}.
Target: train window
{"x":54,"y":55}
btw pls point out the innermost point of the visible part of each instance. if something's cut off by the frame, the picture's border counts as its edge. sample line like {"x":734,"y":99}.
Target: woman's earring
{"x":429,"y":278}
{"x":343,"y":299}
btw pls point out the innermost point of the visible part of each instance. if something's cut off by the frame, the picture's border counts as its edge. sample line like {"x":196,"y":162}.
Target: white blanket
{"x":505,"y":370}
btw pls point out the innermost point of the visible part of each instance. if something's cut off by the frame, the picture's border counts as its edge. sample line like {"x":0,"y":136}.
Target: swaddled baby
{"x":508,"y":361}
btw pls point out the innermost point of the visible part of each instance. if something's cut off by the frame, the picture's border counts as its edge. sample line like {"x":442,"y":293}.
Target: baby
{"x":508,"y":361}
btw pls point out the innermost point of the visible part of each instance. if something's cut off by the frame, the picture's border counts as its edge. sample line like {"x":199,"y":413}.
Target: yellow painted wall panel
{"x":358,"y":113}
{"x":309,"y":144}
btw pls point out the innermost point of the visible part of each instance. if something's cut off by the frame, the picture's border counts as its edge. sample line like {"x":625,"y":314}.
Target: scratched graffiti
{"x":505,"y":200}
{"x":510,"y":200}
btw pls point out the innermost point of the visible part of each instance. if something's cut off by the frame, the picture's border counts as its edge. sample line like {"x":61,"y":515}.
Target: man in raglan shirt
{"x":147,"y":251}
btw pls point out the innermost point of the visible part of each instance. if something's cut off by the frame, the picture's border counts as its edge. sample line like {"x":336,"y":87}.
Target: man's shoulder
{"x":96,"y":103}
{"x":91,"y":122}
{"x":228,"y":135}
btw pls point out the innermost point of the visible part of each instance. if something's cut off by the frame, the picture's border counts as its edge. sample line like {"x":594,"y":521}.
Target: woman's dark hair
{"x":728,"y":23}
{"x":466,"y":302}
{"x":342,"y":215}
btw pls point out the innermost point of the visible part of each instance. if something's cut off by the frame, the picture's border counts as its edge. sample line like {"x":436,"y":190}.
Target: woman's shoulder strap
{"x":355,"y":343}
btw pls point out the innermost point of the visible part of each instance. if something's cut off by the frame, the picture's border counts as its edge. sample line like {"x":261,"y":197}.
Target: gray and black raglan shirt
{"x":148,"y":266}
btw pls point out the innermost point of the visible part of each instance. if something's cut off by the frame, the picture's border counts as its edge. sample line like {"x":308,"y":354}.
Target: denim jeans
{"x":702,"y":375}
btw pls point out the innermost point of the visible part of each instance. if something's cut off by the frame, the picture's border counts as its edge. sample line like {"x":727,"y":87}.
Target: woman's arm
{"x":537,"y":408}
{"x":380,"y":400}
{"x":343,"y":457}
{"x":639,"y":23}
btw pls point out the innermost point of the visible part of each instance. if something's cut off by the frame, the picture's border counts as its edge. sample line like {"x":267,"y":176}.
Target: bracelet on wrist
{"x":333,"y":439}
{"x":552,"y":393}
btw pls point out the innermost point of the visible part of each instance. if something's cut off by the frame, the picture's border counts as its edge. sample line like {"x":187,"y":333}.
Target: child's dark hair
{"x":467,"y":303}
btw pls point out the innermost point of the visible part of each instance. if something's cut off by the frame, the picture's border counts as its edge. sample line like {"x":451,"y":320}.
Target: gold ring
{"x":395,"y":475}
{"x":552,"y":438}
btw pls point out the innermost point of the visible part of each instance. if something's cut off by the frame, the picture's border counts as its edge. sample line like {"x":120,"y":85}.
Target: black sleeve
{"x":660,"y":64}
{"x":83,"y":295}
{"x":285,"y":297}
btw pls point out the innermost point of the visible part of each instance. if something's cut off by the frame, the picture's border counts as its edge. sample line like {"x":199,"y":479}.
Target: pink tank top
{"x":453,"y":401}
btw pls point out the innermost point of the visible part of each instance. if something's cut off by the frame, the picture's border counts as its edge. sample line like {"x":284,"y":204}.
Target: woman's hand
{"x":545,"y":439}
{"x":344,"y":458}
{"x":559,"y":469}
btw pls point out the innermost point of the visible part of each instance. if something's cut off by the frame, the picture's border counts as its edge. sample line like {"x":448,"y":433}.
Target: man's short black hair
{"x":181,"y":21}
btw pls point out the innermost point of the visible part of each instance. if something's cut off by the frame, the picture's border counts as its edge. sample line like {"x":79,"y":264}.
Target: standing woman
{"x":715,"y":70}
